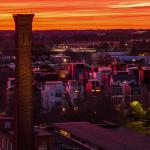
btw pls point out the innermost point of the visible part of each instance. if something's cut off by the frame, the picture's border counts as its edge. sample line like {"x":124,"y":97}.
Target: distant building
{"x":42,"y":138}
{"x":135,"y":92}
{"x":41,"y":77}
{"x":95,"y":56}
{"x":105,"y":73}
{"x":6,"y":134}
{"x":136,"y":71}
{"x":59,"y":59}
{"x":12,"y":66}
{"x":132,"y":59}
{"x":145,"y":74}
{"x":124,"y":89}
{"x":93,"y":87}
{"x":94,"y":75}
{"x":6,"y":123}
{"x":74,"y":90}
{"x":145,"y":79}
{"x":146,"y":95}
{"x":148,"y":60}
{"x":6,"y":140}
{"x":53,"y":93}
{"x":76,"y":71}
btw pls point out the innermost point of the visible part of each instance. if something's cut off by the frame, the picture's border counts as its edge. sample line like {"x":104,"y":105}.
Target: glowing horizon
{"x":78,"y":14}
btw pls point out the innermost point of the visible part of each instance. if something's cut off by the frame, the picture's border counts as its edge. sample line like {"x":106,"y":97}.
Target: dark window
{"x":117,"y":91}
{"x":135,"y":91}
{"x":58,"y":95}
{"x":12,"y":82}
{"x":58,"y":103}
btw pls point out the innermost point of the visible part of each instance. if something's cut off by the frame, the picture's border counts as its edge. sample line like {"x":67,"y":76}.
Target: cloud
{"x":73,"y":14}
{"x":130,"y":5}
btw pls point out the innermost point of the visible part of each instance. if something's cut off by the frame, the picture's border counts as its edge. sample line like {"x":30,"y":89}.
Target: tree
{"x":47,"y":68}
{"x":104,"y":59}
{"x":134,"y":51}
{"x":137,"y":111}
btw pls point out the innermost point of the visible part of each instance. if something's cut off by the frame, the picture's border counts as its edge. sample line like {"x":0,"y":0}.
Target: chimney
{"x":24,"y":101}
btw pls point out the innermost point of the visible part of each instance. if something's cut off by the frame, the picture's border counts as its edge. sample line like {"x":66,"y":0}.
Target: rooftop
{"x":123,"y":76}
{"x":106,"y":138}
{"x":41,"y":132}
{"x":3,"y":117}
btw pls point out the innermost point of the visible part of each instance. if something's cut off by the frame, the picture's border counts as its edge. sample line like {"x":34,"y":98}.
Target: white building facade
{"x":53,"y":94}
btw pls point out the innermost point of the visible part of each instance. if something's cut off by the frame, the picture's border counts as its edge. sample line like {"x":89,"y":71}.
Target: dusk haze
{"x":74,"y":74}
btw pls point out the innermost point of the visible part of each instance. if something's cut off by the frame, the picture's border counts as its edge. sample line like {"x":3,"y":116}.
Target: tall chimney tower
{"x":24,"y":102}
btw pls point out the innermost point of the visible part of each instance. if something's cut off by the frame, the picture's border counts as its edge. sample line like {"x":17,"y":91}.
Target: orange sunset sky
{"x":78,"y":14}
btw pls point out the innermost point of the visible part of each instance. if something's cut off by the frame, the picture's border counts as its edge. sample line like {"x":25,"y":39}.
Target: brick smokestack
{"x":24,"y":132}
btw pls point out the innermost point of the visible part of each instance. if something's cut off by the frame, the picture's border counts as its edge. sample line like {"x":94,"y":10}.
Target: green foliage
{"x":139,"y":127}
{"x":137,"y":111}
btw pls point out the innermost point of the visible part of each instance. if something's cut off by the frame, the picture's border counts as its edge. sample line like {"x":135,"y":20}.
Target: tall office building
{"x":24,"y":102}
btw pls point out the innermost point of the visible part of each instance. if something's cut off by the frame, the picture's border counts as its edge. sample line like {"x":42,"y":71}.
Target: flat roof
{"x":106,"y":138}
{"x":6,"y":118}
{"x":41,"y":132}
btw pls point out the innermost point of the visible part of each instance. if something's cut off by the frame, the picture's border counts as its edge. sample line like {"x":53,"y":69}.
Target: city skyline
{"x":78,"y":14}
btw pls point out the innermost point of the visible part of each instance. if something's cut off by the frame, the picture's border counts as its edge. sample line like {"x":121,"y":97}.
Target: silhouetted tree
{"x":104,"y":59}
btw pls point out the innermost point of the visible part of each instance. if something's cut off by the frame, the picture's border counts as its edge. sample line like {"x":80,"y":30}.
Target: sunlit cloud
{"x":5,"y":16}
{"x":78,"y":14}
{"x":131,"y":5}
{"x":73,"y":14}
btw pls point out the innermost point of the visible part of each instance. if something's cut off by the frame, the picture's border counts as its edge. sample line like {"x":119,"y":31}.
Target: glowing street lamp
{"x":64,"y":60}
